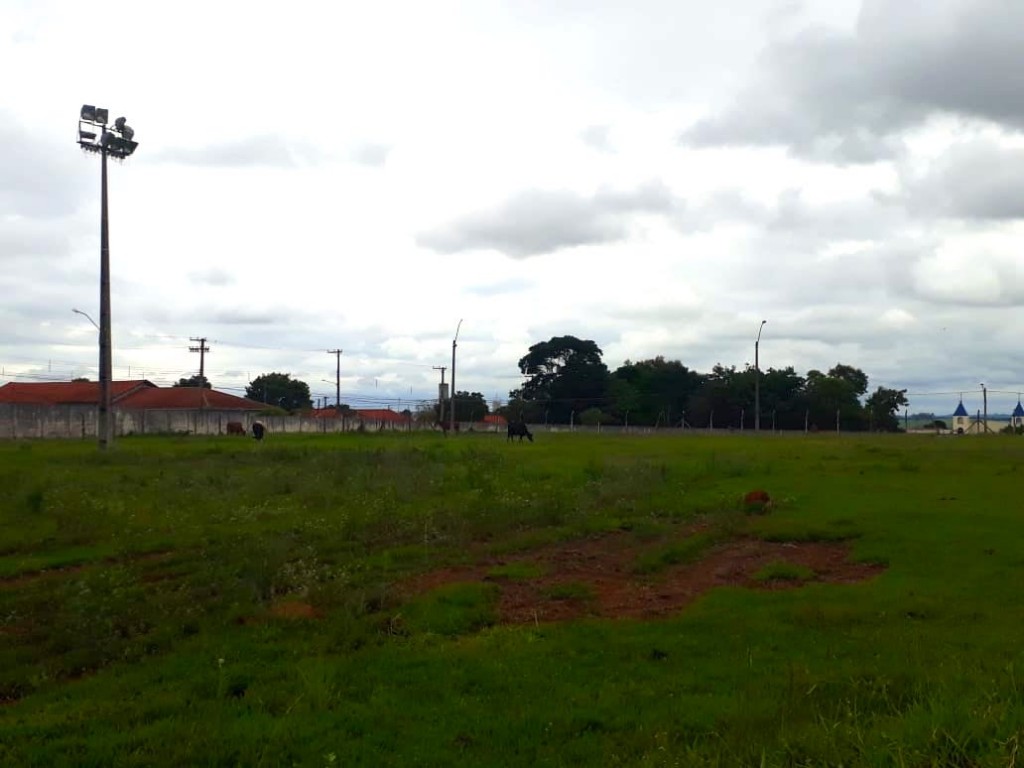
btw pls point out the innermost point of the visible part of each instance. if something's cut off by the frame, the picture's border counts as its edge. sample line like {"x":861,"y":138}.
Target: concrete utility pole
{"x":984,"y":399}
{"x":202,"y":349}
{"x":441,"y":394}
{"x":337,"y":378}
{"x":454,"y":345}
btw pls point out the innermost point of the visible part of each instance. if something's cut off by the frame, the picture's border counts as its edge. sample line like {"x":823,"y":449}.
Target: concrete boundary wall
{"x":21,"y":421}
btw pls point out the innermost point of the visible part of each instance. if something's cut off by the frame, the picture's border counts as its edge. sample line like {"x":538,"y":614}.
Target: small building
{"x":1017,"y":417}
{"x":69,"y":392}
{"x":69,"y":409}
{"x":961,"y":421}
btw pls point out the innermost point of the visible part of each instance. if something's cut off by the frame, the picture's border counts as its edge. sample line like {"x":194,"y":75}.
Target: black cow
{"x":520,"y":430}
{"x":258,"y":429}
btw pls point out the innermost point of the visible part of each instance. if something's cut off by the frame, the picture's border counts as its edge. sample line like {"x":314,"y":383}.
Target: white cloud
{"x":329,"y":178}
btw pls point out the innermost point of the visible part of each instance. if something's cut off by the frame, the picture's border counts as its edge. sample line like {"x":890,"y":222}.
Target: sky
{"x":658,"y":177}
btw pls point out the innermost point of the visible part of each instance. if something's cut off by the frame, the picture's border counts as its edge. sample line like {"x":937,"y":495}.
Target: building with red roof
{"x":187,"y":398}
{"x":69,"y":392}
{"x":136,"y":395}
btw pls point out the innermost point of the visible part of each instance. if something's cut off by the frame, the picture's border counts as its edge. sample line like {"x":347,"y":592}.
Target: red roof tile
{"x":188,"y":398}
{"x":67,"y":392}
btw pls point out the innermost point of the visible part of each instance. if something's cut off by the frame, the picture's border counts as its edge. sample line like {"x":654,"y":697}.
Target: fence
{"x":79,"y":421}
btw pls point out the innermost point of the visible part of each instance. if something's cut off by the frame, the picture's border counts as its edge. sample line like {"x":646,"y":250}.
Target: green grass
{"x":522,"y":571}
{"x":688,"y":550}
{"x":141,"y":597}
{"x":783,"y":571}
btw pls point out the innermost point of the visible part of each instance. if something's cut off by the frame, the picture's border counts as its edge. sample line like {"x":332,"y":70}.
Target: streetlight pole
{"x":984,"y":399}
{"x":757,"y":380}
{"x":116,"y":141}
{"x":454,"y":345}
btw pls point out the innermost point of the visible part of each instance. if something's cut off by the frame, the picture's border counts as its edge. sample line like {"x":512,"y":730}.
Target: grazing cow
{"x":258,"y":429}
{"x":520,"y":430}
{"x":236,"y":428}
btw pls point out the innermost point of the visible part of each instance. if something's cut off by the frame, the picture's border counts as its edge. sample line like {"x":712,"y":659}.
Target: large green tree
{"x":781,"y":399}
{"x":883,"y":406}
{"x":652,"y":391}
{"x":836,"y":395}
{"x":469,"y":406}
{"x":280,"y":390}
{"x":566,"y":375}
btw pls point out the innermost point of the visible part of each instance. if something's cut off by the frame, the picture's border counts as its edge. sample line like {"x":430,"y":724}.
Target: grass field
{"x":342,"y":600}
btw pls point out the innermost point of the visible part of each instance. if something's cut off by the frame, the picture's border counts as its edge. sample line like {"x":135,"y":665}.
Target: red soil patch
{"x":29,"y":577}
{"x":293,"y":609}
{"x":604,"y":567}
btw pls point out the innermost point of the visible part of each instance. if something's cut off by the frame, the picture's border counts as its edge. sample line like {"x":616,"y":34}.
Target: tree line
{"x":568,"y":382}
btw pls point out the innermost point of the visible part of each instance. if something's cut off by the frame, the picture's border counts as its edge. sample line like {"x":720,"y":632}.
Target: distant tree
{"x":643,"y":391}
{"x":80,"y":379}
{"x":280,"y":390}
{"x":426,"y":413}
{"x":838,"y":391}
{"x":518,"y":409}
{"x":194,"y":381}
{"x":593,"y":417}
{"x":566,"y":374}
{"x":470,"y":406}
{"x":855,"y":377}
{"x":781,"y":392}
{"x":883,"y":405}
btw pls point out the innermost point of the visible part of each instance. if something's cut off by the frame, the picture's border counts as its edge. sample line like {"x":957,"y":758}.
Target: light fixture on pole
{"x":117,"y":141}
{"x":757,"y":380}
{"x":83,"y":314}
{"x":454,"y":345}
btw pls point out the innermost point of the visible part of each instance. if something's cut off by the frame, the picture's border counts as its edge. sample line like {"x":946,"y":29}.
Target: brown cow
{"x":236,"y":428}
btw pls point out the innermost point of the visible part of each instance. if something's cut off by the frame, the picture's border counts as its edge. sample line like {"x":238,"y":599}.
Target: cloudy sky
{"x":656,"y":176}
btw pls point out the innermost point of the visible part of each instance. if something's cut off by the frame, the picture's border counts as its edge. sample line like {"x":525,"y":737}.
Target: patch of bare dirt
{"x":293,"y":609}
{"x":603,"y":568}
{"x":30,"y":577}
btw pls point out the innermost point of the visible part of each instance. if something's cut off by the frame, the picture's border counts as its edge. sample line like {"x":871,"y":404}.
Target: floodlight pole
{"x":105,"y":433}
{"x":757,"y":380}
{"x":118,"y":140}
{"x":454,"y":345}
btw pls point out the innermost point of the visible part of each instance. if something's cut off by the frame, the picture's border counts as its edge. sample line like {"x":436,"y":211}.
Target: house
{"x":127,"y":395}
{"x":69,"y":392}
{"x":69,"y":409}
{"x":186,"y":398}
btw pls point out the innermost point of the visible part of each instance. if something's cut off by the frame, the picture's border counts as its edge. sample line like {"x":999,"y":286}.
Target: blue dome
{"x":1019,"y":410}
{"x":960,"y":410}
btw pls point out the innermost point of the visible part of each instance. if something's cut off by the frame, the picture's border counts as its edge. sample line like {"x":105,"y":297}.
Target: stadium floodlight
{"x":115,"y":141}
